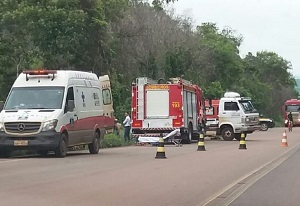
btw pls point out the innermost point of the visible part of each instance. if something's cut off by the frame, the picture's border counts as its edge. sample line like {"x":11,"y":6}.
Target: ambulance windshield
{"x":35,"y":98}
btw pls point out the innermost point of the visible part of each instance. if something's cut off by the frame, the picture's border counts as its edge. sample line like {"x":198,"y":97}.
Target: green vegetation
{"x":131,"y":38}
{"x":113,"y":140}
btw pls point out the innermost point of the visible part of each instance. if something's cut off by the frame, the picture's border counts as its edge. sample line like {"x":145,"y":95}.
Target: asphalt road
{"x":132,"y":176}
{"x":279,"y":187}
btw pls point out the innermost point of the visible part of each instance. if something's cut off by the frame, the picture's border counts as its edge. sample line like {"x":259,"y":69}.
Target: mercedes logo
{"x":21,"y":127}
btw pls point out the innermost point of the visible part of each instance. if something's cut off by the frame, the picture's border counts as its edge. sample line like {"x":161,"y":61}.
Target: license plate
{"x":20,"y":142}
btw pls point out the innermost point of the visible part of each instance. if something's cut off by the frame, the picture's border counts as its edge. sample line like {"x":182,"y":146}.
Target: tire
{"x":264,"y":126}
{"x":227,"y":134}
{"x":62,"y":149}
{"x":187,"y":137}
{"x":95,"y":145}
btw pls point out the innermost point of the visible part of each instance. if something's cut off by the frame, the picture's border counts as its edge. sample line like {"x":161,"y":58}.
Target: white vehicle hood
{"x":36,"y":115}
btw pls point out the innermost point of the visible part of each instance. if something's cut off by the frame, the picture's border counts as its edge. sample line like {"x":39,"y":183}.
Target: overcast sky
{"x":271,"y":25}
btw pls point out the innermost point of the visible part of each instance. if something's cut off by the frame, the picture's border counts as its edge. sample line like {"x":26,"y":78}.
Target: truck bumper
{"x":48,"y":140}
{"x":247,"y":129}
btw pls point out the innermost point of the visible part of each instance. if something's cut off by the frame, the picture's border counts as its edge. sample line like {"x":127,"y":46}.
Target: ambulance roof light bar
{"x":40,"y":72}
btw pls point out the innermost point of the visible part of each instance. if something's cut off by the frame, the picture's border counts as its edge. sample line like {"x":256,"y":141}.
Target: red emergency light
{"x":39,"y":72}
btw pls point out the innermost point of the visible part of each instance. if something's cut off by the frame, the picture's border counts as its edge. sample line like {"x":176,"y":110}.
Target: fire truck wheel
{"x":95,"y":145}
{"x":61,"y":150}
{"x":187,"y":137}
{"x":227,"y":134}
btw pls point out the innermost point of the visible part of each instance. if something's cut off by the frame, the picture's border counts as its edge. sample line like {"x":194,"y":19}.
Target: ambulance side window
{"x":106,"y":96}
{"x":70,"y":96}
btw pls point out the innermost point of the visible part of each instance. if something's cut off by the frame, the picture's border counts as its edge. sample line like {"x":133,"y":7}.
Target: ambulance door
{"x":85,"y":114}
{"x":71,"y":118}
{"x":107,"y":106}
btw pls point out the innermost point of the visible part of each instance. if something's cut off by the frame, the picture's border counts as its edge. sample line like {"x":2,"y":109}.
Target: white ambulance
{"x":49,"y":110}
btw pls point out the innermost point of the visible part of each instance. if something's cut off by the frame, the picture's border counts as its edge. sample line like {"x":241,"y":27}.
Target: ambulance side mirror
{"x":71,"y":106}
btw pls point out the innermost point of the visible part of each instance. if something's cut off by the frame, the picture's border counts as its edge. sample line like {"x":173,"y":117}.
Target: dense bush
{"x":112,"y":140}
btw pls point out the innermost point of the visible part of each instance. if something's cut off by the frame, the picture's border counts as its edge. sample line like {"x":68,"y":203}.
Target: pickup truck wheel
{"x":264,"y":126}
{"x":61,"y":150}
{"x":227,"y":134}
{"x":95,"y":145}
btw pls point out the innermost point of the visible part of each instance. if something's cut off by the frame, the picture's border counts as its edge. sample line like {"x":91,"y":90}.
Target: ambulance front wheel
{"x":61,"y":150}
{"x":95,"y":145}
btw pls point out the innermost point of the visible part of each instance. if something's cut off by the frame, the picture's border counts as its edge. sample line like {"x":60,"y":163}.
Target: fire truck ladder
{"x":140,"y":97}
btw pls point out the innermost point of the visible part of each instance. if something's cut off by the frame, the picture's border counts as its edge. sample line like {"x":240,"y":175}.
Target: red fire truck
{"x":162,"y":107}
{"x":293,"y":106}
{"x":212,"y":114}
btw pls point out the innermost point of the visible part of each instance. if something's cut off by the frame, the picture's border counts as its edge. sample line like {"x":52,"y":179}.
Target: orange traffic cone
{"x":284,"y":140}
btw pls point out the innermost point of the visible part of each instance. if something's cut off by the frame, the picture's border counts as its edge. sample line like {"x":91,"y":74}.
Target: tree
{"x":268,"y":79}
{"x":224,"y":51}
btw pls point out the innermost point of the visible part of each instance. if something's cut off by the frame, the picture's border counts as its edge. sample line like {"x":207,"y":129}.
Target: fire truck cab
{"x":162,"y":107}
{"x":49,"y":110}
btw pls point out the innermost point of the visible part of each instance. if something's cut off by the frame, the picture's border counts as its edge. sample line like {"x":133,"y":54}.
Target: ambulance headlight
{"x":50,"y":125}
{"x":1,"y":126}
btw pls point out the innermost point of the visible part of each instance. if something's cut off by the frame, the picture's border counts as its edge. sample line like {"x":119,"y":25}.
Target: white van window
{"x":106,"y":96}
{"x":35,"y":98}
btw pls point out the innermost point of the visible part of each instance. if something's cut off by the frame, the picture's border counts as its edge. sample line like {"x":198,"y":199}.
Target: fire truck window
{"x":231,"y":106}
{"x":209,"y":110}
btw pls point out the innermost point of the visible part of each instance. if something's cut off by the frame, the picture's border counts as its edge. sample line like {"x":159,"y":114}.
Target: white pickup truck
{"x":231,"y":116}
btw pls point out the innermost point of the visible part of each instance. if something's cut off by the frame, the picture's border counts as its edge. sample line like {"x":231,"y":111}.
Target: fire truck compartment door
{"x":157,"y":105}
{"x":157,"y":123}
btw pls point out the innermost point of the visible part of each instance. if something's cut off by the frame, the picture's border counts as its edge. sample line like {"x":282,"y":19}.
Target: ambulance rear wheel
{"x":61,"y":150}
{"x":95,"y":145}
{"x":227,"y":134}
